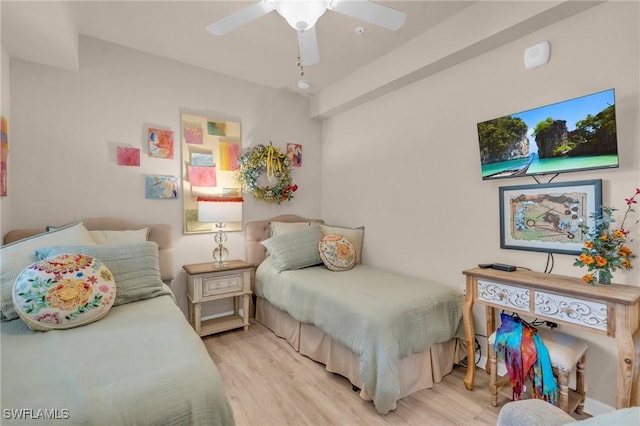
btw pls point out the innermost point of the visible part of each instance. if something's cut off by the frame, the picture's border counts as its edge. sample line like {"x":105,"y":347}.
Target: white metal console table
{"x":612,"y":310}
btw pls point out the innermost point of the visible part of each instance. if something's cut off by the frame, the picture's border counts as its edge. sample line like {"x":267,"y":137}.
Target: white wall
{"x":65,"y":126}
{"x":407,"y":167}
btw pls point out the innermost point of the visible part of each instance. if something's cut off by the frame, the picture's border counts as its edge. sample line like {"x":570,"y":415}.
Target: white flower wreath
{"x":262,"y":159}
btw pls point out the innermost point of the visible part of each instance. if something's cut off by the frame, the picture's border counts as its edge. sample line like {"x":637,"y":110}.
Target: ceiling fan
{"x":303,"y":14}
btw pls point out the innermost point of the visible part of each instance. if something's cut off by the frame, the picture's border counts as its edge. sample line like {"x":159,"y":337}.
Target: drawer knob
{"x":569,"y":311}
{"x":501,"y":295}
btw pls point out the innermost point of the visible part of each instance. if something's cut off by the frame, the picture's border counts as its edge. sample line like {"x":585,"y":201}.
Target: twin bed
{"x":389,"y":334}
{"x":140,"y":364}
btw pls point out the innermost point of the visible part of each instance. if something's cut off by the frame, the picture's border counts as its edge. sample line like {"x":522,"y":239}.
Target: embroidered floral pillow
{"x":64,"y":291}
{"x":337,"y":252}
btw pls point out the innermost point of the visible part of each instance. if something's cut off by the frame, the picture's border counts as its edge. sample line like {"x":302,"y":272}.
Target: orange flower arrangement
{"x":605,"y":250}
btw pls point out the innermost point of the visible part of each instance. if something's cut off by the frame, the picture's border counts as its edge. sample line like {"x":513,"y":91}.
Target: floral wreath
{"x":270,"y":161}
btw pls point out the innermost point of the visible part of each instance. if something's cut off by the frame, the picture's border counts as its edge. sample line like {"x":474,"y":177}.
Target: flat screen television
{"x":568,"y":136}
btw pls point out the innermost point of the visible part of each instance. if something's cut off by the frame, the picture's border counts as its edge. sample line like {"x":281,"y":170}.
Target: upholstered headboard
{"x":159,"y":233}
{"x":258,"y":231}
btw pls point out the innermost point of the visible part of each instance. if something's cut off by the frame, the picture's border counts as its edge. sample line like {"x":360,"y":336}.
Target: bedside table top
{"x":208,"y":267}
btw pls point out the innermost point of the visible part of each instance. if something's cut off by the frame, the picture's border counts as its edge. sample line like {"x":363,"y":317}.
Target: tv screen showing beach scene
{"x":572,"y":135}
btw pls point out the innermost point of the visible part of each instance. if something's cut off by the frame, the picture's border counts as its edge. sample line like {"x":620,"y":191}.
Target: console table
{"x":612,"y":310}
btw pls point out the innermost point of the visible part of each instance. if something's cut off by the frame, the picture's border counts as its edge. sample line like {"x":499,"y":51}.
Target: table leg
{"x":491,"y":327}
{"x":245,"y":311}
{"x":197,"y":317}
{"x":627,"y":359}
{"x":635,"y":392}
{"x":469,"y":333}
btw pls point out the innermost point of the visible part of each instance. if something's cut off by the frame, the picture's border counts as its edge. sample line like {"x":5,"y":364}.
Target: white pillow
{"x":281,"y":228}
{"x":119,"y":237}
{"x":18,"y":255}
{"x":354,"y":235}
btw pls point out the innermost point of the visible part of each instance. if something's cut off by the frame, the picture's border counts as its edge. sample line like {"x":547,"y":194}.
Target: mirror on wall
{"x":210,"y":151}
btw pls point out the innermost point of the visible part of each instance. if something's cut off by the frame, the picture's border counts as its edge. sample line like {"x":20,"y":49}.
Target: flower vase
{"x":604,"y":278}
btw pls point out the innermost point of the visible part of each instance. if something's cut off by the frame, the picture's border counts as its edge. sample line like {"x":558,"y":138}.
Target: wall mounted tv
{"x":568,"y":136}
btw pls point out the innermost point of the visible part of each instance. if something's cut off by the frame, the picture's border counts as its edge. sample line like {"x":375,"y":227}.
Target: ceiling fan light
{"x":304,"y":84}
{"x":301,"y":14}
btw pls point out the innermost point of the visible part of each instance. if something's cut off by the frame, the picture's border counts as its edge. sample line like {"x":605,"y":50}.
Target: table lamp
{"x":220,"y":210}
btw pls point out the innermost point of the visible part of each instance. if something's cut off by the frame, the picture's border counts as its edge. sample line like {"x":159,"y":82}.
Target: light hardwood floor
{"x":268,"y":383}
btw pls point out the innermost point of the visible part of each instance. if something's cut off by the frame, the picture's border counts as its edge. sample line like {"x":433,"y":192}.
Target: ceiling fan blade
{"x":373,"y":13}
{"x":308,"y":45}
{"x":241,"y":17}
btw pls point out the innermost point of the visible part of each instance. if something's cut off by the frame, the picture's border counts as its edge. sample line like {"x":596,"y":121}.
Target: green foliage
{"x":497,"y":135}
{"x":562,"y":149}
{"x":598,"y":127}
{"x":604,"y":251}
{"x":543,"y":126}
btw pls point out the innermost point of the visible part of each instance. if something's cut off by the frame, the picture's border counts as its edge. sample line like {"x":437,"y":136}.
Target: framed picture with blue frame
{"x":546,"y":217}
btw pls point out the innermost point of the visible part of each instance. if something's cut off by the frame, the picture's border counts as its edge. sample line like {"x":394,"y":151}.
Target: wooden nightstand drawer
{"x":219,"y":285}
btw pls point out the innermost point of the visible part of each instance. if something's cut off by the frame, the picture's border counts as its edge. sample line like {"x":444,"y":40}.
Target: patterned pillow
{"x":355,"y":235}
{"x":64,"y":291}
{"x":18,"y":255}
{"x":337,"y":252}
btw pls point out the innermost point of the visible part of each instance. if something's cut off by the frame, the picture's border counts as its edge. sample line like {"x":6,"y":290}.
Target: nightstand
{"x":206,"y":283}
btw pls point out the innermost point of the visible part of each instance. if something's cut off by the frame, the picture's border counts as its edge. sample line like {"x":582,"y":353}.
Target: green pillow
{"x":134,"y":266}
{"x":295,"y":250}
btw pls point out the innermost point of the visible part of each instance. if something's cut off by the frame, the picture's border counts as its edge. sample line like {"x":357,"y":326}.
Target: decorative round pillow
{"x":337,"y":252}
{"x":64,"y":291}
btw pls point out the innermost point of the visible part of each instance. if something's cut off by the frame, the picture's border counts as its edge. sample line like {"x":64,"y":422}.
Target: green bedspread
{"x":381,"y":316}
{"x":142,"y":364}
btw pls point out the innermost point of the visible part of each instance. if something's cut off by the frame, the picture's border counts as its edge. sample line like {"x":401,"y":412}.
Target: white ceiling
{"x":263,"y":51}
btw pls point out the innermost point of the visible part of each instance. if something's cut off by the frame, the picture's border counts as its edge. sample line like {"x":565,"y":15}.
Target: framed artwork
{"x":161,"y":187}
{"x":545,"y":217}
{"x":128,"y":156}
{"x":160,"y":143}
{"x":210,"y":149}
{"x":294,"y":152}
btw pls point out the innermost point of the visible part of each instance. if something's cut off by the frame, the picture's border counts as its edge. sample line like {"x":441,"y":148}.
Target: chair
{"x":566,"y":353}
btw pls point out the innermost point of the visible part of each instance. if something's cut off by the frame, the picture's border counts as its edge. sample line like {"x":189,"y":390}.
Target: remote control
{"x":503,"y":267}
{"x":484,"y":265}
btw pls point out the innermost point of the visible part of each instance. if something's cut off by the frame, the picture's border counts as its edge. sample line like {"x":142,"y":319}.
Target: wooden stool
{"x":565,"y":352}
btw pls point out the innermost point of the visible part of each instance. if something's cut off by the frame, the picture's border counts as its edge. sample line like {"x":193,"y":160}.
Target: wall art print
{"x":202,"y":176}
{"x":201,"y":159}
{"x":545,"y":217}
{"x":128,"y":156}
{"x":192,"y":133}
{"x":294,"y":152}
{"x":160,"y":143}
{"x":228,"y":154}
{"x":217,"y":128}
{"x":4,"y":154}
{"x":210,"y":148}
{"x":161,"y":187}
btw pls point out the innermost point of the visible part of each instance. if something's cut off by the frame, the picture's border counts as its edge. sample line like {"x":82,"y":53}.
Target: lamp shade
{"x":220,"y":210}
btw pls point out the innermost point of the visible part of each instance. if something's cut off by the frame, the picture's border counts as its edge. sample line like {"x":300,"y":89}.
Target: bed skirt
{"x":417,"y":371}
